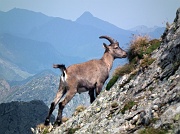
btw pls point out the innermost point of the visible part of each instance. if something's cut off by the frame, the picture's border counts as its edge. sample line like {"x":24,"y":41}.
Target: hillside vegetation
{"x":139,"y":55}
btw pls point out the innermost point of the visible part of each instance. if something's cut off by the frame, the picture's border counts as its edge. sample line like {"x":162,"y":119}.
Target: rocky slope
{"x":147,"y":102}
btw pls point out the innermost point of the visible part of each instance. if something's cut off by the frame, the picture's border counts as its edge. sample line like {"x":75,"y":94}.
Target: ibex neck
{"x":108,"y":59}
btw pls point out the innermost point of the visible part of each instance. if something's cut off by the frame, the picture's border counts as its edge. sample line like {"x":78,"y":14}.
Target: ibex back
{"x":87,"y":76}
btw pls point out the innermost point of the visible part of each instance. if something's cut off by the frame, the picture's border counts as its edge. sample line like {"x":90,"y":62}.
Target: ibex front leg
{"x":91,"y":95}
{"x":98,"y":88}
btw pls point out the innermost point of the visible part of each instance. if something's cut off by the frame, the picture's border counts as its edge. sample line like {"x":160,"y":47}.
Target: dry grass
{"x":128,"y":105}
{"x":146,"y":62}
{"x":79,"y":109}
{"x":42,"y":129}
{"x":151,"y":130}
{"x":137,"y":46}
{"x":64,"y":119}
{"x":122,"y":70}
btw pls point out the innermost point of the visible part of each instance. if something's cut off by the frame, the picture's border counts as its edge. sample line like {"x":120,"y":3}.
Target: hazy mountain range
{"x":31,"y":42}
{"x":153,"y":32}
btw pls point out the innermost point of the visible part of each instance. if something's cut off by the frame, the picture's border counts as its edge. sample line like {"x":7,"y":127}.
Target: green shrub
{"x":126,"y":69}
{"x":154,"y":44}
{"x":151,"y":88}
{"x":146,"y":61}
{"x":45,"y":131}
{"x":120,"y":71}
{"x":128,"y":106}
{"x":112,"y":81}
{"x":151,"y":130}
{"x":72,"y":130}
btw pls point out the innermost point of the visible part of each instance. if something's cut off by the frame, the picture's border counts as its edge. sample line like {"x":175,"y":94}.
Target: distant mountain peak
{"x":17,"y":9}
{"x":85,"y":15}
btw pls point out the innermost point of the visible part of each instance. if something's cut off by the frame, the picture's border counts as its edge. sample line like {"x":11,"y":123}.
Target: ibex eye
{"x":116,"y":48}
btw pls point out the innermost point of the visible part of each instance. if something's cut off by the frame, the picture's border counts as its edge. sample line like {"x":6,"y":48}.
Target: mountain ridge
{"x":18,"y":117}
{"x":149,"y":30}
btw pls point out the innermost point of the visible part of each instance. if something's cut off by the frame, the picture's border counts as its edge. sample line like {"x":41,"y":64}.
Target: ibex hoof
{"x":46,"y":123}
{"x":57,"y":123}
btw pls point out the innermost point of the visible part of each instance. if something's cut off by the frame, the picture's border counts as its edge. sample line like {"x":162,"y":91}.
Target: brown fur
{"x":87,"y":76}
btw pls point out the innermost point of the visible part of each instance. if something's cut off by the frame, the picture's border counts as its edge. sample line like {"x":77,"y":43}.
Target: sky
{"x":125,"y":14}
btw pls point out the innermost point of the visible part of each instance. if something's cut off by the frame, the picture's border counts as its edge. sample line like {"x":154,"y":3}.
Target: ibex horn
{"x":108,"y":38}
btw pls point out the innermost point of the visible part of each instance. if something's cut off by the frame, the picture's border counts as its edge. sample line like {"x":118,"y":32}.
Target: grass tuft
{"x":128,"y":106}
{"x":79,"y":109}
{"x":120,"y":71}
{"x":72,"y":130}
{"x":146,"y":61}
{"x":111,"y":82}
{"x":151,"y":130}
{"x":137,"y":47}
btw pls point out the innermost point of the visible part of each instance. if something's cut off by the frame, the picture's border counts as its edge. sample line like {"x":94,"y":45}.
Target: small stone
{"x":155,"y":115}
{"x":131,"y":126}
{"x":109,"y":117}
{"x":98,"y":109}
{"x":156,"y":101}
{"x":81,"y":125}
{"x":155,"y":107}
{"x":139,"y":122}
{"x":134,"y":108}
{"x":135,"y":119}
{"x":153,"y":95}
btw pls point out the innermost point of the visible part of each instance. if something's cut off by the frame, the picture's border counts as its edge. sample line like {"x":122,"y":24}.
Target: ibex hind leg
{"x":69,"y":95}
{"x":58,"y":97}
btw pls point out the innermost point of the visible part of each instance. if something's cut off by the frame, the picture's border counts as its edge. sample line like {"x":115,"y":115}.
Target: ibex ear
{"x":105,"y":46}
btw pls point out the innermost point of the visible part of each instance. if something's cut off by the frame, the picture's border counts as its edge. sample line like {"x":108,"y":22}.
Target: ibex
{"x":87,"y":76}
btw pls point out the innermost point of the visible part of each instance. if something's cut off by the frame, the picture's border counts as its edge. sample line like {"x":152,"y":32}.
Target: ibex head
{"x":114,"y":48}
